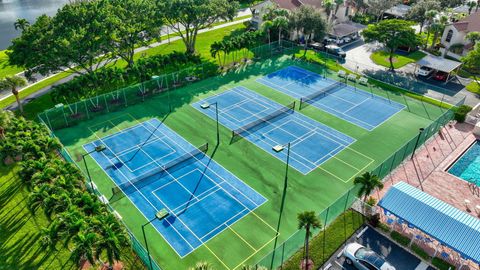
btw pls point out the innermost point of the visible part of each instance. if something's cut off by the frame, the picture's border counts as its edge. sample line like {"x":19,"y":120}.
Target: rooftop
{"x":469,"y":24}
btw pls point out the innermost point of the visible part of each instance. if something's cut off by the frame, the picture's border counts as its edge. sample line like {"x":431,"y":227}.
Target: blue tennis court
{"x":268,"y":124}
{"x":164,"y":171}
{"x":349,"y":103}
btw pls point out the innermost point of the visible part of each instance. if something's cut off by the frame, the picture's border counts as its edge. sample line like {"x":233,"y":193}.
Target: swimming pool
{"x":467,"y":166}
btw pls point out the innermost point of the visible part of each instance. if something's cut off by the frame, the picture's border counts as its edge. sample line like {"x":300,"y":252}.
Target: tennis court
{"x":359,"y":107}
{"x":268,"y":124}
{"x":157,"y":169}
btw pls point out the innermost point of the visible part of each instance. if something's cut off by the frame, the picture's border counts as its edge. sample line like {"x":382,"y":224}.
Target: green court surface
{"x":252,"y":238}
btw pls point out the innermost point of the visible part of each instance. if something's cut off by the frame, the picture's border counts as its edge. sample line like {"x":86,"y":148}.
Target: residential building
{"x":454,"y":40}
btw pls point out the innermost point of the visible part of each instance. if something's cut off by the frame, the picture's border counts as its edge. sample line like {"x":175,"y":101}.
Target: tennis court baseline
{"x":268,"y":124}
{"x":361,"y":108}
{"x":157,"y":169}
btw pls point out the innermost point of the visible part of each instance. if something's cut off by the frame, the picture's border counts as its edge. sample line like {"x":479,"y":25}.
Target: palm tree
{"x":280,"y":22}
{"x":430,"y":16}
{"x":471,"y":5}
{"x":328,"y":5}
{"x":338,"y":3}
{"x":266,"y":28}
{"x":215,"y":49}
{"x":308,"y":220}
{"x":368,"y":184}
{"x":112,"y":237}
{"x":436,"y":28}
{"x":84,"y":246}
{"x":21,"y":24}
{"x":12,"y":83}
{"x":202,"y":266}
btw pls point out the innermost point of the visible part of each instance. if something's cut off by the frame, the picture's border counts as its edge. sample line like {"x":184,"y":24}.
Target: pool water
{"x":467,"y":166}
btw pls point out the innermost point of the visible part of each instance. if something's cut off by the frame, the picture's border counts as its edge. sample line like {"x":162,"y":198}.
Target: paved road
{"x":13,"y":106}
{"x":394,"y":254}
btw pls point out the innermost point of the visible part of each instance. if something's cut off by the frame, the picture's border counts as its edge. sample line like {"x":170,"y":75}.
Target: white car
{"x":346,"y":39}
{"x":424,"y":71}
{"x":364,"y":259}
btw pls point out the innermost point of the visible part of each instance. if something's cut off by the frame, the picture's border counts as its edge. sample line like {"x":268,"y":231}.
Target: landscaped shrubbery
{"x":399,"y":238}
{"x":461,"y":113}
{"x":113,"y":78}
{"x":442,"y":265}
{"x":335,"y":237}
{"x":79,"y":221}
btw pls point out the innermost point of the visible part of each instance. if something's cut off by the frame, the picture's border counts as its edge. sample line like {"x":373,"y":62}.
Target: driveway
{"x":358,"y":60}
{"x":394,"y":254}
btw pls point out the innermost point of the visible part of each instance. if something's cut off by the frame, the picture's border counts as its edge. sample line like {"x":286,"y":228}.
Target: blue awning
{"x":447,"y":224}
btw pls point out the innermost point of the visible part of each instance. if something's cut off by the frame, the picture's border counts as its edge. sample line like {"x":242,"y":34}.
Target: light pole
{"x":420,"y":131}
{"x":159,"y":215}
{"x":97,"y":149}
{"x":216,"y":119}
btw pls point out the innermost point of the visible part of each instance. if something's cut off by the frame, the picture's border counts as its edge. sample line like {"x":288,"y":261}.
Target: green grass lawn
{"x":381,"y":58}
{"x":5,"y":68}
{"x":20,"y":238}
{"x":20,"y":246}
{"x":473,"y":87}
{"x":251,"y":238}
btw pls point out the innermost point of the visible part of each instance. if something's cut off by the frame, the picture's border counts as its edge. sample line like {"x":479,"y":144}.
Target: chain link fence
{"x":67,"y":115}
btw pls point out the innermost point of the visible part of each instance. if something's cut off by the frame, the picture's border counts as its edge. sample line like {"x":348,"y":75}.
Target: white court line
{"x":128,"y":167}
{"x":141,"y":212}
{"x":228,"y":193}
{"x":348,"y":87}
{"x":192,"y":248}
{"x":300,"y":123}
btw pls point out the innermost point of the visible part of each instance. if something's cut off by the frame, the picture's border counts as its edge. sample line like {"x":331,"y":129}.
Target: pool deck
{"x":428,"y":169}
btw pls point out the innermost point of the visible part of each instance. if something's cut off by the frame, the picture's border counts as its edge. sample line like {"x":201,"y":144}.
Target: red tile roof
{"x":469,"y":24}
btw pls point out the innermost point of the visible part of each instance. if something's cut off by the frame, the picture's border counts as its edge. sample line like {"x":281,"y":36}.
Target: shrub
{"x":420,"y":252}
{"x":374,"y":220}
{"x":441,"y":264}
{"x":461,"y":113}
{"x":112,"y":78}
{"x":399,"y":238}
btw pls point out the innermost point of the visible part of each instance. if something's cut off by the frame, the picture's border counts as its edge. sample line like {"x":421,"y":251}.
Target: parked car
{"x":335,"y":50}
{"x":346,"y":39}
{"x":316,"y":46}
{"x":441,"y":76}
{"x":328,"y":40}
{"x":364,"y":259}
{"x":424,"y":71}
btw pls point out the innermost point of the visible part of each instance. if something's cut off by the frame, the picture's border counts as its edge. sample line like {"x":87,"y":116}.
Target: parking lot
{"x":394,"y":254}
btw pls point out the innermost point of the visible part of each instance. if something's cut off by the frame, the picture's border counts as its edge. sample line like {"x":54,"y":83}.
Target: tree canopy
{"x":391,"y":34}
{"x":418,"y":12}
{"x":187,"y":17}
{"x":85,"y":35}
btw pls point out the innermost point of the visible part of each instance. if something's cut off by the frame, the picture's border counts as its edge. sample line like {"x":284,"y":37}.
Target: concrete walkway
{"x":13,"y":106}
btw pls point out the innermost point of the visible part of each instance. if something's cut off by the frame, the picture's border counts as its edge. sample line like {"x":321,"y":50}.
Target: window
{"x":367,"y":265}
{"x":449,"y":35}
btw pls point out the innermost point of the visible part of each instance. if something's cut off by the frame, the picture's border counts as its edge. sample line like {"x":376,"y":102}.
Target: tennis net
{"x":312,"y":97}
{"x":180,"y":160}
{"x":280,"y":112}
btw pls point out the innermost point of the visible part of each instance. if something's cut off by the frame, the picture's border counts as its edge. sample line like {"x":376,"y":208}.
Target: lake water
{"x":11,"y":10}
